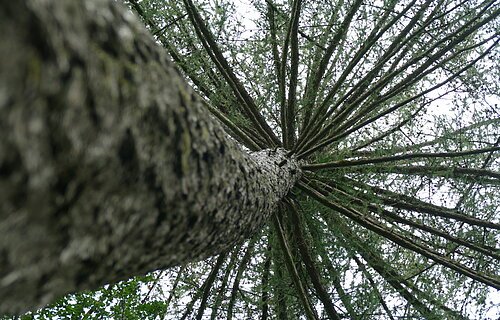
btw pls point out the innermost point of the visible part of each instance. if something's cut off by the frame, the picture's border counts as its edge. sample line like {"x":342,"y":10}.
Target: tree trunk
{"x":110,"y":165}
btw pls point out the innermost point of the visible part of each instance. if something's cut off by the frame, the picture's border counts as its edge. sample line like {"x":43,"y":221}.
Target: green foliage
{"x":124,"y":300}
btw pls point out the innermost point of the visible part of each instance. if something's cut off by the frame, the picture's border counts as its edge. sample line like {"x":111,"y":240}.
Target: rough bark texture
{"x":109,"y":164}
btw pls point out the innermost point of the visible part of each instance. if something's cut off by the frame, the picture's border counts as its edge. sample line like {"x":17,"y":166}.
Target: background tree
{"x":391,"y":107}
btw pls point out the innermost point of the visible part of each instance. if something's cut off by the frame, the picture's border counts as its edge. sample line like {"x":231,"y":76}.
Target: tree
{"x":105,"y":149}
{"x":395,"y":208}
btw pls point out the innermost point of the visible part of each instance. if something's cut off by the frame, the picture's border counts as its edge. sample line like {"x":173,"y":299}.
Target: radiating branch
{"x":386,"y":271}
{"x":207,"y":284}
{"x":301,"y":291}
{"x":206,"y":37}
{"x":382,"y":26}
{"x":237,"y":279}
{"x":280,"y":78}
{"x":222,"y":288}
{"x":290,"y":109}
{"x":408,"y":291}
{"x":406,"y":202}
{"x":408,"y":156}
{"x":309,"y":262}
{"x":364,"y":201}
{"x":313,"y":148}
{"x":333,"y":273}
{"x":446,"y":136}
{"x":400,"y":239}
{"x":374,"y":286}
{"x":265,"y":282}
{"x":431,"y":171}
{"x":315,"y":80}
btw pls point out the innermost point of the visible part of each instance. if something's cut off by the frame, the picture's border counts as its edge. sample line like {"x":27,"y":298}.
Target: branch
{"x":416,"y":155}
{"x":333,"y":273}
{"x":365,"y":202}
{"x":207,"y":285}
{"x":220,"y":295}
{"x":310,"y":263}
{"x":303,"y":297}
{"x":265,"y":283}
{"x":239,"y":274}
{"x":317,"y":75}
{"x":313,"y":148}
{"x":444,"y":137}
{"x":431,"y":171}
{"x":280,"y":282}
{"x":399,"y":239}
{"x":374,"y":286}
{"x":172,"y":291}
{"x":322,"y":114}
{"x":290,"y":112}
{"x":206,"y":37}
{"x":341,"y":121}
{"x":386,"y":270}
{"x":455,"y":38}
{"x":406,"y":202}
{"x":280,"y":78}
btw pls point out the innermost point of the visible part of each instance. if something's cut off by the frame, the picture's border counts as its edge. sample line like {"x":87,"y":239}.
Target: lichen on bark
{"x":110,"y":166}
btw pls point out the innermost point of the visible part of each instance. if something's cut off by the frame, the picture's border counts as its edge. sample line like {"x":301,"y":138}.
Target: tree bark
{"x":110,"y":165}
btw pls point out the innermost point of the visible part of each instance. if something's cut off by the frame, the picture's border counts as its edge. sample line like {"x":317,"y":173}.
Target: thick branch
{"x":439,"y":171}
{"x":408,"y":291}
{"x":237,"y":279}
{"x":207,"y":285}
{"x":290,"y":111}
{"x":301,"y":290}
{"x":408,"y":156}
{"x":307,"y":258}
{"x":315,"y":80}
{"x":222,"y":288}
